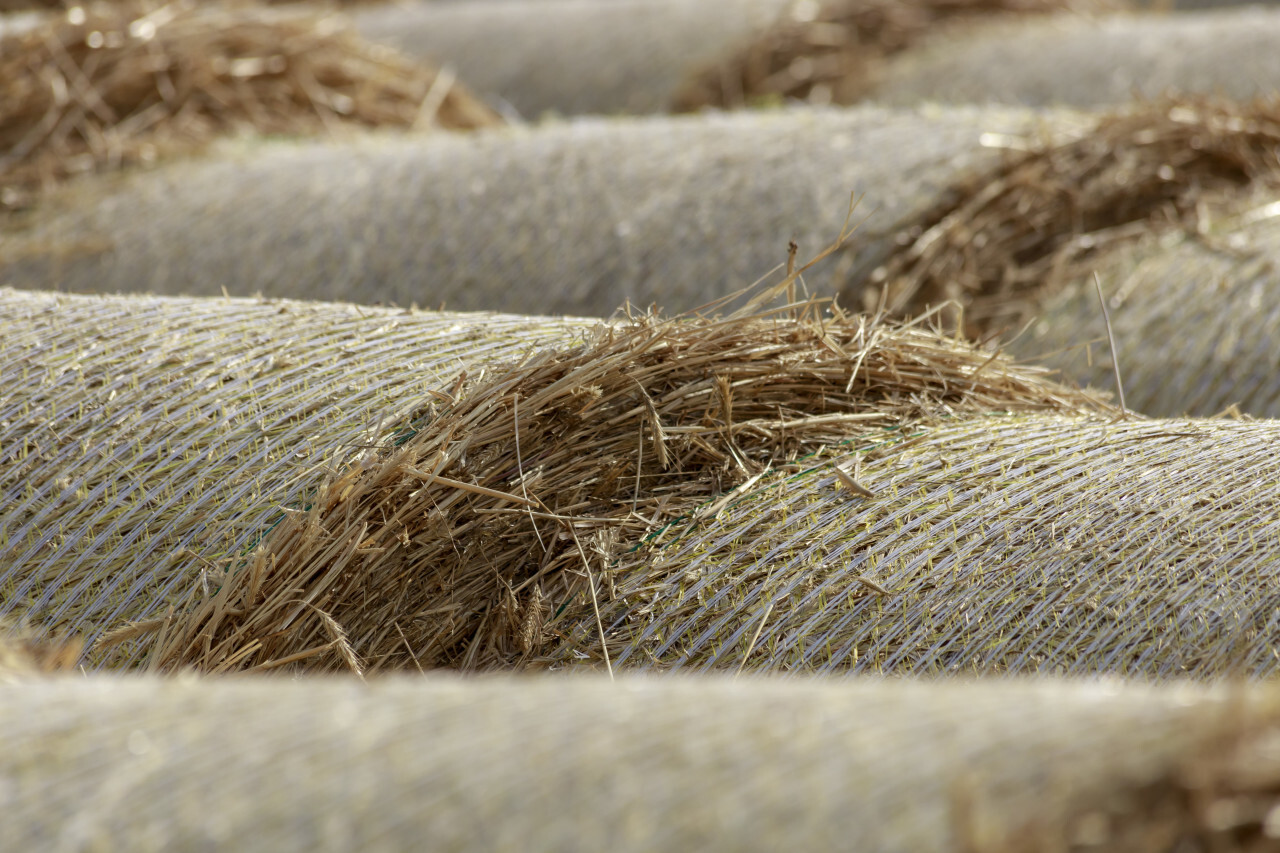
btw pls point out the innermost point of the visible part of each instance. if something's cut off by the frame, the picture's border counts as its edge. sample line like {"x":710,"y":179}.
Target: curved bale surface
{"x":146,"y":441}
{"x":572,"y":218}
{"x":147,"y":81}
{"x":569,"y":56}
{"x":1083,"y":62}
{"x":1172,"y":200}
{"x":477,"y":542}
{"x":583,"y":765}
{"x":1194,"y":317}
{"x":1032,"y":543}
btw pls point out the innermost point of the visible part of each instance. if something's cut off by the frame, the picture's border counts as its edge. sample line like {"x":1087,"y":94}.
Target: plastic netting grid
{"x":146,"y":440}
{"x":1021,"y":544}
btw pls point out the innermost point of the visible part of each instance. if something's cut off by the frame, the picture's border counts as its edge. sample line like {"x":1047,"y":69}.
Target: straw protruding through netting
{"x":512,"y":494}
{"x":1031,"y":543}
{"x":829,"y":52}
{"x":1004,"y":239}
{"x":104,"y":84}
{"x":145,"y":442}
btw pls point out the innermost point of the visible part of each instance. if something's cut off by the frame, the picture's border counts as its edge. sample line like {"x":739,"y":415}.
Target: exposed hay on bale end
{"x":830,"y":52}
{"x":107,"y":84}
{"x":1005,"y":239}
{"x":513,"y":494}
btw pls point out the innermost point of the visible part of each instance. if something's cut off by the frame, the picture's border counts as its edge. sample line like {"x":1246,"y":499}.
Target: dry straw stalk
{"x":106,"y":84}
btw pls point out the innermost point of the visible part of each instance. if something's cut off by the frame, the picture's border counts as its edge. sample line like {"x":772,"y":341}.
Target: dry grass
{"x":515,"y":490}
{"x":103,"y":85}
{"x":25,"y":653}
{"x":829,"y":52}
{"x":1012,"y":235}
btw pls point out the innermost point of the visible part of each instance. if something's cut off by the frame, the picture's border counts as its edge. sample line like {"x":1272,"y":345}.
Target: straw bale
{"x":1151,"y":166}
{"x":563,"y":218}
{"x":454,"y":548}
{"x":107,"y":84}
{"x":1090,"y":62}
{"x":833,"y":51}
{"x":1186,"y":180}
{"x":27,"y":653}
{"x":1028,"y":543}
{"x":569,"y":56}
{"x":1194,"y":317}
{"x":146,"y":441}
{"x":582,"y":765}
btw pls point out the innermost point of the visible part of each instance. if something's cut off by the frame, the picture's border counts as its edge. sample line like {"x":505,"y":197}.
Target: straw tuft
{"x":1006,"y":236}
{"x":107,"y":84}
{"x":831,"y":53}
{"x":518,"y":486}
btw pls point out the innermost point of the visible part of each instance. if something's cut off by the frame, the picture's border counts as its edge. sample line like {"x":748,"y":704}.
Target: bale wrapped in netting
{"x":472,"y":541}
{"x":583,"y":765}
{"x":1172,"y":201}
{"x":572,"y":218}
{"x":143,"y":441}
{"x":569,"y":56}
{"x":1083,"y":62}
{"x":106,"y":84}
{"x":834,"y":51}
{"x":1195,"y":319}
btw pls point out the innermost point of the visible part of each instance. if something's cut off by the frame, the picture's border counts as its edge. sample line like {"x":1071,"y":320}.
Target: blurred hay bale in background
{"x":578,"y":765}
{"x":832,"y":51}
{"x":1190,"y":182}
{"x":147,"y":441}
{"x":569,"y":56}
{"x":104,"y":85}
{"x":1090,"y":62}
{"x":565,"y":218}
{"x":1195,"y":317}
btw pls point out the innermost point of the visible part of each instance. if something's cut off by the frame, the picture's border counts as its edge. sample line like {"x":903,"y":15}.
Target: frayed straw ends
{"x":520,"y":486}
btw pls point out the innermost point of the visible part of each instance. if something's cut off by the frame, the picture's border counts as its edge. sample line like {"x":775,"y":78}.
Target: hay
{"x":832,"y":51}
{"x":573,"y":765}
{"x":455,"y":547}
{"x":26,"y":654}
{"x":1038,"y":543}
{"x":147,"y":441}
{"x":109,"y":84}
{"x":1091,"y":62}
{"x":1194,"y":316}
{"x":564,"y":218}
{"x":569,"y":56}
{"x":1016,"y":232}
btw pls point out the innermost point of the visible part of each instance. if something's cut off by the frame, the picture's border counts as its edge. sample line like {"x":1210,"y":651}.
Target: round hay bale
{"x":569,"y":56}
{"x":103,"y":85}
{"x":1076,"y":61}
{"x":1194,"y":317}
{"x":565,"y":218}
{"x":833,"y":51}
{"x":582,"y":765}
{"x":146,"y":441}
{"x":1170,"y":196}
{"x":474,"y":543}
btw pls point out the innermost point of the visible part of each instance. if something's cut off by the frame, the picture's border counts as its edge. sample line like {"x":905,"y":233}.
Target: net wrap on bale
{"x":582,"y":765}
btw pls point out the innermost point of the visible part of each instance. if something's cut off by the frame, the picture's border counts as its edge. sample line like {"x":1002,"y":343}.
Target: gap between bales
{"x":829,"y":52}
{"x":105,"y":85}
{"x":1003,"y":239}
{"x":517,"y":485}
